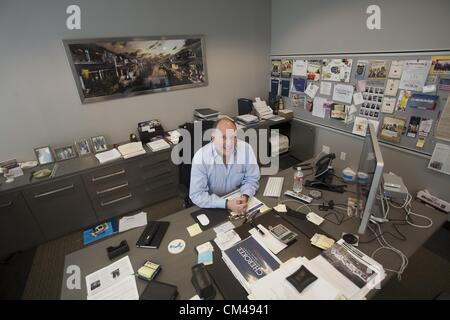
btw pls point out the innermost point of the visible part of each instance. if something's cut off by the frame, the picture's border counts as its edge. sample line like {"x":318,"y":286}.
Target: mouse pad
{"x":215,"y":216}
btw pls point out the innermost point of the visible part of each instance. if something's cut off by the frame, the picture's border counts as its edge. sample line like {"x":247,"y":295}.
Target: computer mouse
{"x":203,"y":219}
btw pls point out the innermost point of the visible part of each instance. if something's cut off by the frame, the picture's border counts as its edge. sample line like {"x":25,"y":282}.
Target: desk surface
{"x":176,"y":269}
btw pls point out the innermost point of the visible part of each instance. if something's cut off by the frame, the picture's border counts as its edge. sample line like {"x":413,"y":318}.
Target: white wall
{"x":39,"y":102}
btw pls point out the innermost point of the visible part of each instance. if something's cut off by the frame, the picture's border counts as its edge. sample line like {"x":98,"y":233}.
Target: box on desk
{"x":286,"y":113}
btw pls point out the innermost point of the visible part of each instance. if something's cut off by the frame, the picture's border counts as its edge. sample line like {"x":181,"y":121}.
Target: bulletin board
{"x":436,"y":77}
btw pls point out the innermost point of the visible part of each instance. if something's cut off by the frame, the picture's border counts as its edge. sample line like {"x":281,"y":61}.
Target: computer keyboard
{"x":273,"y":187}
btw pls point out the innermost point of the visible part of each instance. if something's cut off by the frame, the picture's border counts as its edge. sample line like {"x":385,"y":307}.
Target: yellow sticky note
{"x":194,"y":230}
{"x":264,"y":209}
{"x":280,"y":208}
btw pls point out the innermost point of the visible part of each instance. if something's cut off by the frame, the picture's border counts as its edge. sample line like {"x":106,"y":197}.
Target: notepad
{"x":194,"y":230}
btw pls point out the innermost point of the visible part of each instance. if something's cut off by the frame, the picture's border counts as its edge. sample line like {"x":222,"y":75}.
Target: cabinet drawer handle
{"x":94,"y":179}
{"x":6,"y":205}
{"x":40,"y":195}
{"x":123,"y":185}
{"x":107,"y":203}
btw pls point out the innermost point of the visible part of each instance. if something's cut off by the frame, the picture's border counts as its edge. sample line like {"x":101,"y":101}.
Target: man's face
{"x":224,"y":138}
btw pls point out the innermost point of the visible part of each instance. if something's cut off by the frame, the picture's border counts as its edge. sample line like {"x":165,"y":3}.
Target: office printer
{"x":262,"y":110}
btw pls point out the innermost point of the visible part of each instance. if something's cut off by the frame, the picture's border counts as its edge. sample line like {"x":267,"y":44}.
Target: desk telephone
{"x":262,"y":110}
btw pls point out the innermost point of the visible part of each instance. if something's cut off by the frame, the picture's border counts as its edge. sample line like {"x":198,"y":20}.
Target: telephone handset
{"x":323,"y":165}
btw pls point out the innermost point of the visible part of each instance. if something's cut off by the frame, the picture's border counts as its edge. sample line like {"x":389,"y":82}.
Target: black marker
{"x":256,"y":227}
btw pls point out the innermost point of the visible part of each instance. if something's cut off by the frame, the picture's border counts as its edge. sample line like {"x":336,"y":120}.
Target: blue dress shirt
{"x":211,"y":178}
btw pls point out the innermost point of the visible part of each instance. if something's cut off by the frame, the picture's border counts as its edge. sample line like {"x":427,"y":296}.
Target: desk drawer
{"x":123,"y":201}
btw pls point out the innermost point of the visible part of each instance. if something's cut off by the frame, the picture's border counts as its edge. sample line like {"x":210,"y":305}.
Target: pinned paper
{"x":311,"y":91}
{"x":194,"y":230}
{"x":358,"y":98}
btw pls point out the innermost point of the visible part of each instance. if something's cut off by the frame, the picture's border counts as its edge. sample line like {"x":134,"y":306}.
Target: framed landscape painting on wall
{"x":118,"y":67}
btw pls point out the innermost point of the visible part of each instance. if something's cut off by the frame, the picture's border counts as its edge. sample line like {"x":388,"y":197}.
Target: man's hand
{"x":238,"y":205}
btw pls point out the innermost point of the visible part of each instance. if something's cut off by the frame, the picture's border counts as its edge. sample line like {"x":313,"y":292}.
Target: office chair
{"x":185,"y":168}
{"x":245,"y":106}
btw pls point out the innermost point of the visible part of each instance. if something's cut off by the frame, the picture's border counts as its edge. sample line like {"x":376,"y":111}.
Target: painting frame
{"x":60,"y":156}
{"x":37,"y":152}
{"x":83,"y":147}
{"x":78,"y":74}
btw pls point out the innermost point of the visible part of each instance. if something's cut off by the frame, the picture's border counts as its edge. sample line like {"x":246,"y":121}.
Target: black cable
{"x":401,"y":238}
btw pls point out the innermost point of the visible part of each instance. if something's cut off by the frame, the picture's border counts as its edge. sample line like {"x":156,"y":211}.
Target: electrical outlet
{"x":343,"y":156}
{"x":326,"y":149}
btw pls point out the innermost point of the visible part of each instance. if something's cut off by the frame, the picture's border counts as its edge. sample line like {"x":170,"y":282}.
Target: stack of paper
{"x":267,"y":239}
{"x":138,"y":220}
{"x":158,"y":145}
{"x":205,"y":253}
{"x":225,"y":240}
{"x":253,"y":203}
{"x":174,"y":136}
{"x":109,"y":155}
{"x":131,"y":149}
{"x":321,"y":241}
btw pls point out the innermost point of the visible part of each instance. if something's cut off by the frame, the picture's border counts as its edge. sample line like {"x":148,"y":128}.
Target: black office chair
{"x":245,"y":106}
{"x":185,"y":168}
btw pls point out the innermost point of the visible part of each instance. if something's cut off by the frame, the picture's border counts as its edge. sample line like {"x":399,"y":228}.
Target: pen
{"x":256,"y":227}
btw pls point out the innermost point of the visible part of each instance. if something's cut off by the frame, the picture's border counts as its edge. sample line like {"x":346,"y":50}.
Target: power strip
{"x":435,"y":202}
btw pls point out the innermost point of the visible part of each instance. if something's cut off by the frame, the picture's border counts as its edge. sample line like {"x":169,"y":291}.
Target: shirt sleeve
{"x":250,"y":183}
{"x":199,"y":191}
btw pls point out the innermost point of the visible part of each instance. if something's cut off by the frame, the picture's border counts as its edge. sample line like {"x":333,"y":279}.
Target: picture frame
{"x":110,"y":68}
{"x":44,"y":155}
{"x":99,"y":143}
{"x":65,"y":153}
{"x":83,"y":147}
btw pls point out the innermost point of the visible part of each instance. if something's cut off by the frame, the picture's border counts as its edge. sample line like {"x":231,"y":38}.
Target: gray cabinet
{"x":18,"y":228}
{"x":60,"y":207}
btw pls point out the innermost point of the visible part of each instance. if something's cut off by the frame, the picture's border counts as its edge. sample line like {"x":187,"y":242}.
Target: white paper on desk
{"x":131,"y":222}
{"x":325,"y":88}
{"x":113,"y":282}
{"x":109,"y":155}
{"x":311,"y":90}
{"x":224,"y":227}
{"x":319,"y":107}
{"x":267,"y":240}
{"x":274,"y":286}
{"x":299,"y":68}
{"x":343,"y":93}
{"x":227,"y":239}
{"x":253,"y":202}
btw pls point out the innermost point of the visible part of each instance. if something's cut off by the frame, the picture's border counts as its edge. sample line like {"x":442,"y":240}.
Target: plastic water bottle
{"x":298,"y":181}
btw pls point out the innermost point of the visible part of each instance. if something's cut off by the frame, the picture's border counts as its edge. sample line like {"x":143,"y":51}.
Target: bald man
{"x":222,"y":166}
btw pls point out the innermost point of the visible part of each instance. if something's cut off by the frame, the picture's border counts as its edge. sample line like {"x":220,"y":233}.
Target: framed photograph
{"x":65,"y":153}
{"x":99,"y":143}
{"x":44,"y":155}
{"x":112,"y":68}
{"x":83,"y":147}
{"x":392,"y":129}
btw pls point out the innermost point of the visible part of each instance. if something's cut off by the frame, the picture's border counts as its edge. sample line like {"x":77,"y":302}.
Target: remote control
{"x":298,"y":196}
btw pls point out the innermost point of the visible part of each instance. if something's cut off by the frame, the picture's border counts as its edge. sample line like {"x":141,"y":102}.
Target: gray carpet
{"x":425,"y":278}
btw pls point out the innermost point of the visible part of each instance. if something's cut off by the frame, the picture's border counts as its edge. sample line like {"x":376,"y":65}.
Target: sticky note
{"x":194,"y":230}
{"x":281,"y":208}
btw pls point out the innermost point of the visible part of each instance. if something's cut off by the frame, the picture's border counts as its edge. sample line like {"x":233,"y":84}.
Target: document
{"x":157,"y":145}
{"x":360,"y":126}
{"x":225,"y":240}
{"x":311,"y":90}
{"x":224,"y":227}
{"x":443,"y":127}
{"x":343,"y":93}
{"x":358,"y":98}
{"x":253,"y":202}
{"x":325,"y":88}
{"x":299,"y":68}
{"x":425,"y":127}
{"x":396,"y":69}
{"x":336,"y":69}
{"x":415,"y":73}
{"x":109,"y":155}
{"x":318,"y":107}
{"x":440,"y":160}
{"x":267,"y":239}
{"x":114,"y":282}
{"x":388,"y":105}
{"x":392,"y":87}
{"x":131,"y":222}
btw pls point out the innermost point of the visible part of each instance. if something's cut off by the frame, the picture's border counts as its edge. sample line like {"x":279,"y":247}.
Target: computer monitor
{"x":371,"y":162}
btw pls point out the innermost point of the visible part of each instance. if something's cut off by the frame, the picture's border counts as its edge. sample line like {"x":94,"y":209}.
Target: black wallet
{"x":301,"y":278}
{"x":202,"y":282}
{"x":156,"y":290}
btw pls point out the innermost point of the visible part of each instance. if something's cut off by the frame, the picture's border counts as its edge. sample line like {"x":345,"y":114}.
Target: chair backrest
{"x":245,"y":106}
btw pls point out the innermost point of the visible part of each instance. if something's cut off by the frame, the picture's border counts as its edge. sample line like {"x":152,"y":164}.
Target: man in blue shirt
{"x":222,"y":166}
